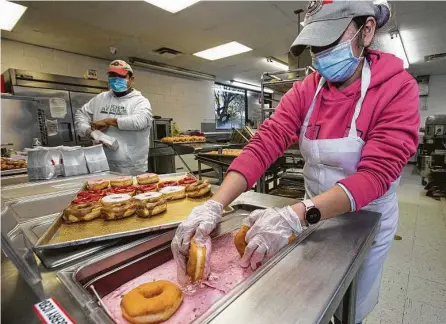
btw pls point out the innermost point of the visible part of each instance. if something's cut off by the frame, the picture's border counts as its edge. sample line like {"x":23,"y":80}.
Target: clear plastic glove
{"x":201,"y":222}
{"x":269,"y":230}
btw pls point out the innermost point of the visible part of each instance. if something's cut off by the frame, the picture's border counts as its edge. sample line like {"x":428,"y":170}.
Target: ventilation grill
{"x":167,"y":52}
{"x":435,"y":57}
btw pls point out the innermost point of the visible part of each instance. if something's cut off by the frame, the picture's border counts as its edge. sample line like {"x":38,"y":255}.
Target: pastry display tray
{"x":60,"y":234}
{"x":94,"y":279}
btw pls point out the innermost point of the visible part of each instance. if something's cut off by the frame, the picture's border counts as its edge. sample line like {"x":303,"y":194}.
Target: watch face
{"x":313,"y":215}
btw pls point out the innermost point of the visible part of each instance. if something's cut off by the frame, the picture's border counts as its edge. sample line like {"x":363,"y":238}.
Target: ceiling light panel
{"x":10,"y":14}
{"x":172,"y":6}
{"x":222,"y":51}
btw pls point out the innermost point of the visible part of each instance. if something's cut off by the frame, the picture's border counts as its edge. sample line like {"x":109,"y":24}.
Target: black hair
{"x":130,"y":74}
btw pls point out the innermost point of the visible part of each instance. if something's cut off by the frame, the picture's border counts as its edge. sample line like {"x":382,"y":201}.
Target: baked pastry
{"x":152,"y":302}
{"x":240,"y":239}
{"x":147,"y":188}
{"x":187,"y":181}
{"x":173,"y":193}
{"x":150,"y":203}
{"x":117,"y":206}
{"x":88,"y":193}
{"x":147,"y":178}
{"x":82,"y":209}
{"x":164,"y":184}
{"x":183,"y":139}
{"x":130,"y":190}
{"x":198,"y":263}
{"x":98,"y":184}
{"x":122,"y":181}
{"x":198,"y":189}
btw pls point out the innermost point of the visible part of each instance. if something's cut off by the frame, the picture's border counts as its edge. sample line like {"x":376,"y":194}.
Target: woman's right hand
{"x":201,"y":222}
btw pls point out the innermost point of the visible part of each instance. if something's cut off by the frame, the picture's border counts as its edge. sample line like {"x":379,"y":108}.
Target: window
{"x":230,"y":107}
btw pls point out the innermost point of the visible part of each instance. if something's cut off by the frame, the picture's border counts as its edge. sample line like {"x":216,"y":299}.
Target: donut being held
{"x":150,"y":203}
{"x":122,"y":181}
{"x":147,"y":188}
{"x":198,"y":189}
{"x":98,"y":184}
{"x":152,"y":302}
{"x":240,"y":240}
{"x":117,"y":206}
{"x":198,"y":263}
{"x":164,"y":184}
{"x":129,"y":190}
{"x":82,"y":209}
{"x":173,"y":193}
{"x":147,"y":178}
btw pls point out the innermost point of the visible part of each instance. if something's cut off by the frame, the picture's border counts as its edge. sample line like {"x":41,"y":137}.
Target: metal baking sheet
{"x":110,"y":271}
{"x":60,"y":235}
{"x":13,"y":172}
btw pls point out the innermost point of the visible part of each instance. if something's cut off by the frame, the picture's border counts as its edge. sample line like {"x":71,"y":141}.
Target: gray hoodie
{"x":134,"y":116}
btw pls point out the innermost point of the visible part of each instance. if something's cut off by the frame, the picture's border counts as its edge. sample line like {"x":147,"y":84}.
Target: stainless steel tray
{"x":13,"y":172}
{"x":60,"y":235}
{"x":111,"y":271}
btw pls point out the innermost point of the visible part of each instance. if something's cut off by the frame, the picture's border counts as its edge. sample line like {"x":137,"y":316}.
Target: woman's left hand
{"x":269,"y":230}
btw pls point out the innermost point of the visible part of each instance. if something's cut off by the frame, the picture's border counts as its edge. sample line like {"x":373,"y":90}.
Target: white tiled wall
{"x":436,"y":100}
{"x":187,"y":101}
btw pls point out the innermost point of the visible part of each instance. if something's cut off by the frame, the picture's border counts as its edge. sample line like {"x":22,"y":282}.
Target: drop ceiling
{"x":137,"y":28}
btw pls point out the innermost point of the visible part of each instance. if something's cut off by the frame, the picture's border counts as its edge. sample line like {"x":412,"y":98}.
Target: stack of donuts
{"x":144,"y":196}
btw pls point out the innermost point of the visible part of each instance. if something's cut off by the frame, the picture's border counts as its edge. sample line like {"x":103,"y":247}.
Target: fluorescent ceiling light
{"x":249,"y":86}
{"x":225,"y":50}
{"x":10,"y":14}
{"x":172,"y":6}
{"x":398,"y":47}
{"x":277,"y":63}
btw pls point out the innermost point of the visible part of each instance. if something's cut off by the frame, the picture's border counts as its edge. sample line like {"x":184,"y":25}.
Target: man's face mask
{"x":117,"y":84}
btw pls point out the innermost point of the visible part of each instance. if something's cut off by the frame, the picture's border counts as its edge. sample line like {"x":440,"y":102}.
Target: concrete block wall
{"x":187,"y":101}
{"x":436,"y":100}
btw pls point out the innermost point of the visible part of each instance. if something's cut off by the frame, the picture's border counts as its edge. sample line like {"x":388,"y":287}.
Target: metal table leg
{"x":199,"y":170}
{"x":349,"y":303}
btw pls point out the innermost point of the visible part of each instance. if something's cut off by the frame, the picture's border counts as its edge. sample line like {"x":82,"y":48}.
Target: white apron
{"x":329,"y":160}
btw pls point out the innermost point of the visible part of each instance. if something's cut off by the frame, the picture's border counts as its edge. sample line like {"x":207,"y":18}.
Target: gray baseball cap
{"x":326,"y":20}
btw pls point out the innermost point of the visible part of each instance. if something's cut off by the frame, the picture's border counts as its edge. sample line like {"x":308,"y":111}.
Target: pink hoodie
{"x":388,"y":123}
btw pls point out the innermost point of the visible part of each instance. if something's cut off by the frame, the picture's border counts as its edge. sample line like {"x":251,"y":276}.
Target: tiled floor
{"x":413,"y":289}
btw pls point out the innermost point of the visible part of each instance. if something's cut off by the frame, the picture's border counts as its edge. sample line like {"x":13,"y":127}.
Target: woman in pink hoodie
{"x":356,"y":120}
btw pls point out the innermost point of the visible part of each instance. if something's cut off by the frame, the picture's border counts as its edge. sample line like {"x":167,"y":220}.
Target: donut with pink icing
{"x":98,"y":184}
{"x":122,"y":181}
{"x":147,"y":178}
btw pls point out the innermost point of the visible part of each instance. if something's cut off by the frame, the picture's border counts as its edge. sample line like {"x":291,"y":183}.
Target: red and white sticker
{"x":51,"y":312}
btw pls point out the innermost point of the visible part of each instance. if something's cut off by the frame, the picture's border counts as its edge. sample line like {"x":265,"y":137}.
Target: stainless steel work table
{"x":306,"y":286}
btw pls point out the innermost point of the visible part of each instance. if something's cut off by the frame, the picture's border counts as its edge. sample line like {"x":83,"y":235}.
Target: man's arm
{"x":83,"y":119}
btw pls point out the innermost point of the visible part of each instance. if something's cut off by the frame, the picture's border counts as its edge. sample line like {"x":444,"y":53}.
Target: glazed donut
{"x":147,"y":188}
{"x":117,"y":206}
{"x":240,"y":239}
{"x":147,"y":178}
{"x":129,"y":190}
{"x":152,"y":302}
{"x":173,"y":193}
{"x":122,"y":181}
{"x":82,"y":209}
{"x":98,"y":184}
{"x":198,"y":189}
{"x":198,"y":264}
{"x":89,"y":193}
{"x":150,"y":203}
{"x":187,"y":181}
{"x":164,"y":184}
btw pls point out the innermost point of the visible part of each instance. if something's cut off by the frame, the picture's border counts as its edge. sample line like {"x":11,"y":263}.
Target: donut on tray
{"x":88,"y":193}
{"x":198,"y":264}
{"x":129,"y":190}
{"x":198,"y":189}
{"x":164,"y":184}
{"x":117,"y":206}
{"x":187,"y":181}
{"x":150,"y":203}
{"x":147,"y":188}
{"x":122,"y":181}
{"x":98,"y":184}
{"x":173,"y":193}
{"x":83,"y":209}
{"x":147,"y":178}
{"x":152,"y":302}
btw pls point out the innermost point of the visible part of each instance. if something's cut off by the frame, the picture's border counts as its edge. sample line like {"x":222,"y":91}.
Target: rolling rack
{"x":277,"y":81}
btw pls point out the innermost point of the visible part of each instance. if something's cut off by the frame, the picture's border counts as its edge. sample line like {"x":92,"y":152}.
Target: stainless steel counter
{"x":304,"y":287}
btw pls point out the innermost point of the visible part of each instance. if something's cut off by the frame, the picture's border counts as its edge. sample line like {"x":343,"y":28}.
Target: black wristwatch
{"x":312,"y":213}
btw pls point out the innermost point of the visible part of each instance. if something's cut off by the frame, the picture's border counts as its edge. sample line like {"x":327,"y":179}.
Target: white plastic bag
{"x":73,"y":159}
{"x":100,"y":137}
{"x":96,"y":159}
{"x":57,"y":159}
{"x":40,"y":164}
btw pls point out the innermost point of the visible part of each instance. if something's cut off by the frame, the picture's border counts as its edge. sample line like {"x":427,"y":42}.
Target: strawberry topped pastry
{"x":83,"y":209}
{"x":167,"y":184}
{"x":129,"y":190}
{"x":187,"y":181}
{"x":88,"y":193}
{"x":147,"y":188}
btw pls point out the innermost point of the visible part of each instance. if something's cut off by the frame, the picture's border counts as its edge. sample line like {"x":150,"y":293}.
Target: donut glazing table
{"x":305,"y":286}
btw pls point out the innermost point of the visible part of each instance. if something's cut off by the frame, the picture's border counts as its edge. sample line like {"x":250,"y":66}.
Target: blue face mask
{"x":117,"y":84}
{"x":337,"y":63}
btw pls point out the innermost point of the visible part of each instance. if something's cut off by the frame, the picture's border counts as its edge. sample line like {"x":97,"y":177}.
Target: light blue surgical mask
{"x":338,"y":63}
{"x":117,"y":84}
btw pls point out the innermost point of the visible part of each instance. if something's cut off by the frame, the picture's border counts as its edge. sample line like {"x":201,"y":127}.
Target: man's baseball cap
{"x":326,"y":20}
{"x":120,"y":67}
